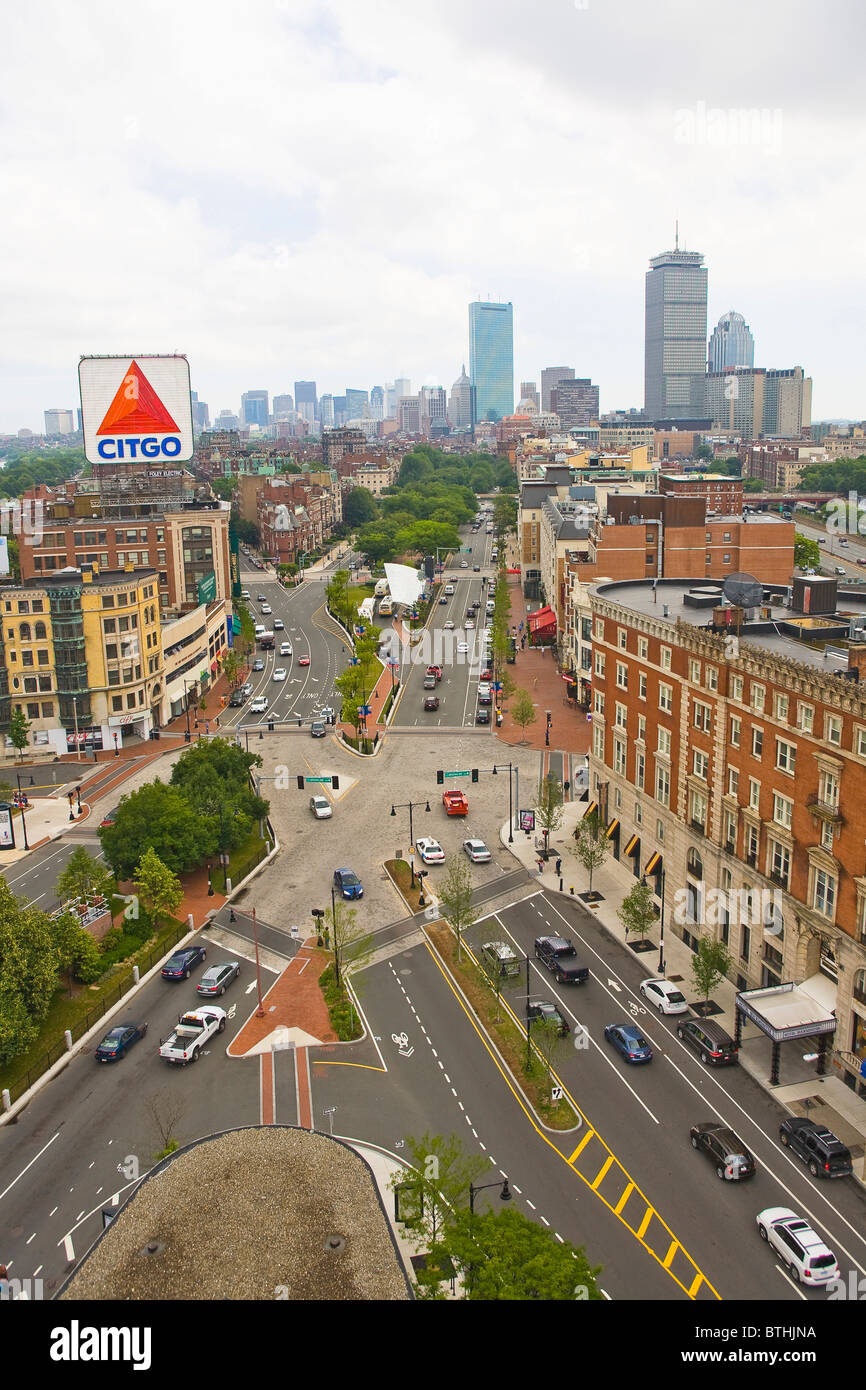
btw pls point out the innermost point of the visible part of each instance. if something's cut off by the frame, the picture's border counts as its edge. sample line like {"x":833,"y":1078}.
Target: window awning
{"x":632,"y":845}
{"x":612,"y":829}
{"x":542,"y":620}
{"x":654,"y":863}
{"x":593,"y":806}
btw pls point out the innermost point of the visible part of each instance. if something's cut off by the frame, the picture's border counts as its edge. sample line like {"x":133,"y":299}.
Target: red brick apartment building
{"x":741,"y":761}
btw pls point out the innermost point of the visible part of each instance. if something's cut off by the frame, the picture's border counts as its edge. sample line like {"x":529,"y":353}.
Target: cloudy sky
{"x":317,"y":188}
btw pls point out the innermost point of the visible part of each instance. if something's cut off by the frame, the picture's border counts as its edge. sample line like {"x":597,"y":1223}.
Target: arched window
{"x":39,"y":632}
{"x":694,"y":864}
{"x":24,"y":632}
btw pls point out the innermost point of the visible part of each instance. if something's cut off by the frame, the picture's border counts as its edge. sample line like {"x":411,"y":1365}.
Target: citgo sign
{"x":135,"y":409}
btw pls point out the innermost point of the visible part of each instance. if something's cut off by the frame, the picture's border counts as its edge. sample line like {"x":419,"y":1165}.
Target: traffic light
{"x":475,"y":774}
{"x":300,"y":784}
{"x":440,"y":777}
{"x":335,"y":784}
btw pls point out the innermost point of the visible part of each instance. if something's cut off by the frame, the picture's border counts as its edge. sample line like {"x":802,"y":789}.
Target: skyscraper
{"x":491,"y":358}
{"x":575,"y":401}
{"x":460,"y":411}
{"x":283,"y":406}
{"x":377,"y":403}
{"x":200,"y":413}
{"x":357,"y":404}
{"x":254,"y":408}
{"x":326,"y":407}
{"x":732,"y":344}
{"x":305,"y":400}
{"x":550,"y":377}
{"x":59,"y":422}
{"x":529,"y":392}
{"x":675,"y":354}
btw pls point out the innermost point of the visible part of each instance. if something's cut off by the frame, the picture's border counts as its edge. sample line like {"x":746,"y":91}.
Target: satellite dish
{"x":743,"y":589}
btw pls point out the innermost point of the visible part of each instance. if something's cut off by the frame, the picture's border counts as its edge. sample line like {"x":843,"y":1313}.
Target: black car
{"x":118,"y":1041}
{"x":482,"y":716}
{"x":714,"y":1046}
{"x":824,"y":1155}
{"x":548,"y":1013}
{"x":317,"y":729}
{"x":728,"y":1154}
{"x":179,"y":966}
{"x":237,"y":698}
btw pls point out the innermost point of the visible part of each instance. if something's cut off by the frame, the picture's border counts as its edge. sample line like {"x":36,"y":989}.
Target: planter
{"x":641,"y":946}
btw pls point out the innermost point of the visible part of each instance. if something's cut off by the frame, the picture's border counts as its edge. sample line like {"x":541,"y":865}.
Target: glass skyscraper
{"x":491,"y":359}
{"x":675,"y":341}
{"x":732,"y":344}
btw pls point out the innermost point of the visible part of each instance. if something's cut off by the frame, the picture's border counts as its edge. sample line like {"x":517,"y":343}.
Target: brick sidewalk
{"x":294,"y":1002}
{"x":535,"y":671}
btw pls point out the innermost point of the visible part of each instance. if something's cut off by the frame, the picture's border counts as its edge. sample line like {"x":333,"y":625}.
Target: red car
{"x":435,"y":671}
{"x":486,"y":674}
{"x":303,"y":661}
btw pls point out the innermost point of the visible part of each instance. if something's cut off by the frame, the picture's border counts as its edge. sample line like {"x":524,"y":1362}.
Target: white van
{"x":449,"y":588}
{"x":260,"y":630}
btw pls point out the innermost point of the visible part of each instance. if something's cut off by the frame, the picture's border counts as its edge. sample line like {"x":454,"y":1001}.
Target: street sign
{"x":365,"y":709}
{"x":497,"y":685}
{"x":317,"y":779}
{"x":457,"y":774}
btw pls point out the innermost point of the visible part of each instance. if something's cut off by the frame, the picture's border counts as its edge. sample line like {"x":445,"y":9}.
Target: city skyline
{"x":349,"y":259}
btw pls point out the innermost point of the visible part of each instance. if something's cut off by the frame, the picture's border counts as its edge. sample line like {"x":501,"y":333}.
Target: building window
{"x":32,"y":711}
{"x":621,"y":719}
{"x":701,"y":764}
{"x":640,"y":771}
{"x":702,"y":716}
{"x":666,"y":697}
{"x":694,"y":672}
{"x":824,"y":893}
{"x":643,"y":648}
{"x":745,"y":942}
{"x":641,"y":728}
{"x":698,"y":810}
{"x":47,"y":710}
{"x":783,"y":810}
{"x":829,"y":789}
{"x":619,"y":757}
{"x":622,"y":675}
{"x":754,"y":793}
{"x":665,"y":658}
{"x":622,"y":638}
{"x":786,"y":756}
{"x":711,"y":677}
{"x":757,"y":742}
{"x":781,"y":709}
{"x":598,"y":742}
{"x":663,"y":786}
{"x":598,"y":702}
{"x":599,"y":629}
{"x":736,"y":725}
{"x":833,"y":729}
{"x":599,"y":663}
{"x":641,"y":685}
{"x":108,"y":600}
{"x":664,"y":742}
{"x":737,"y":689}
{"x":805,"y":717}
{"x":780,"y":863}
{"x":860,"y":741}
{"x":827,"y":833}
{"x":759,"y":695}
{"x":733,"y":781}
{"x":117,"y":703}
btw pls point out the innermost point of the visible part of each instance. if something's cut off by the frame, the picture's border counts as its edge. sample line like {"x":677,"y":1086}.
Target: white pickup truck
{"x":192,"y":1032}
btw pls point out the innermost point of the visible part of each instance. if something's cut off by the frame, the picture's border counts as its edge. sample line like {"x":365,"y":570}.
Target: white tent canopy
{"x":405,"y":583}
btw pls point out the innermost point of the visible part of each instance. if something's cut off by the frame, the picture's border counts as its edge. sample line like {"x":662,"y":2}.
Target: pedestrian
{"x":558,"y":867}
{"x":232,"y":917}
{"x":541,"y":866}
{"x":207,"y":726}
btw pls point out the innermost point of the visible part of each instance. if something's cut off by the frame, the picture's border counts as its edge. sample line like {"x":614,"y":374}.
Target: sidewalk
{"x":802,"y":1092}
{"x":535,"y":671}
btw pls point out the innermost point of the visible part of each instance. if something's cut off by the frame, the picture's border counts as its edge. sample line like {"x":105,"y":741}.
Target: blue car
{"x":118,"y":1041}
{"x":628,"y":1040}
{"x":348,"y":883}
{"x":178,"y":966}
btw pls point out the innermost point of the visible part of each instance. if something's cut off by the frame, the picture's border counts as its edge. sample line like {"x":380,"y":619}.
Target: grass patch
{"x":242,"y":860}
{"x":341,"y":1010}
{"x":400,"y":874}
{"x":510,"y":1039}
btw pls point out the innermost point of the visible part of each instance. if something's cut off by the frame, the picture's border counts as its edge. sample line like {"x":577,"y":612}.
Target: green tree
{"x":77,"y":952}
{"x":504,"y":1256}
{"x":19,"y":730}
{"x":753,"y":485}
{"x":549,"y":1044}
{"x":160,"y":817}
{"x":349,"y":940}
{"x":523,"y":711}
{"x":359,"y":506}
{"x":548,"y":806}
{"x":710,"y":964}
{"x":455,"y":900}
{"x":232,"y":667}
{"x":638,"y":911}
{"x":703,"y":451}
{"x":225,"y":488}
{"x":248,"y":532}
{"x":28,"y":970}
{"x":591,"y":844}
{"x":18,"y":1032}
{"x":807,"y":553}
{"x":84,"y":877}
{"x":158,"y":888}
{"x":437,"y":1183}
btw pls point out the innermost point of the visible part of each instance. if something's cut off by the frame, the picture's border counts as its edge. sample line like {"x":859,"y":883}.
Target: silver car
{"x":217,"y":979}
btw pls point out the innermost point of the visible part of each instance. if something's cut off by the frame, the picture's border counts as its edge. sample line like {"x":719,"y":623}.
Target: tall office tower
{"x":306,"y":403}
{"x":377,"y":403}
{"x":409,"y":415}
{"x":282,"y":406}
{"x":390,"y":401}
{"x":575,"y":402}
{"x":732,"y":344}
{"x":460,"y":411}
{"x":326,"y":410}
{"x":227,"y":420}
{"x":254,"y":408}
{"x":402,"y":387}
{"x":59,"y":422}
{"x":80,"y":425}
{"x":787,"y":402}
{"x":529,"y":392}
{"x":491,"y":358}
{"x":433,"y":404}
{"x":550,"y":377}
{"x":357,"y":404}
{"x":341,"y":413}
{"x":675,"y":351}
{"x":200,"y":413}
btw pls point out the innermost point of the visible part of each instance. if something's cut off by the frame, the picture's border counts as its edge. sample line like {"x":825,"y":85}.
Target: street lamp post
{"x":422,"y":874}
{"x":509,"y":768}
{"x":410,"y":806}
{"x":504,"y":1195}
{"x":21,"y":808}
{"x":662,"y":928}
{"x":260,"y":1012}
{"x":188,"y":735}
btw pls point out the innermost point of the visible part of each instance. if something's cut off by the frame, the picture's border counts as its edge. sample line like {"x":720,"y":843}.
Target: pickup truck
{"x":455,"y":803}
{"x":560,"y":957}
{"x":192,"y":1032}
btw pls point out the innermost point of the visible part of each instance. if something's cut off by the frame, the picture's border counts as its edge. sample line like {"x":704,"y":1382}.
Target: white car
{"x":469,"y":625}
{"x":462,"y":646}
{"x":464,"y":564}
{"x":431,"y":851}
{"x":801,"y":1250}
{"x":477,"y":851}
{"x":259,"y":705}
{"x":321,"y":807}
{"x":285,"y":649}
{"x":483,"y":687}
{"x":449,"y":625}
{"x":665,"y":996}
{"x":266,"y":608}
{"x":279,"y":674}
{"x":279,"y":625}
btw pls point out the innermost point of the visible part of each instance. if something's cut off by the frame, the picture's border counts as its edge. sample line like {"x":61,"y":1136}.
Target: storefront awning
{"x":543,"y":620}
{"x":612,"y":829}
{"x":632,"y":845}
{"x":654,"y":863}
{"x":591,"y":808}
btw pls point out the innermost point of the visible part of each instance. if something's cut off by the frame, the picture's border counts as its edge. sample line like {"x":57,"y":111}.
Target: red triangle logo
{"x":136,"y":409}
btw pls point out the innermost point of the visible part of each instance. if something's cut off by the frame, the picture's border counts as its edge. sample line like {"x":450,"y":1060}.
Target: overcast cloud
{"x":291,"y":189}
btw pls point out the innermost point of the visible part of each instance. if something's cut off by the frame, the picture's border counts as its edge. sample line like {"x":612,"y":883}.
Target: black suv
{"x":714,"y":1046}
{"x":728,"y":1154}
{"x":548,"y":1013}
{"x":824,"y":1155}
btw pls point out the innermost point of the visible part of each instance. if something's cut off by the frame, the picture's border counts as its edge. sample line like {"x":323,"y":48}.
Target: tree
{"x":28,"y":972}
{"x":504,"y":1256}
{"x":549,"y":1044}
{"x":703,"y":451}
{"x":455,"y":900}
{"x":248,"y":532}
{"x":349,"y":940}
{"x":19,"y":730}
{"x":165,"y":1110}
{"x":638,"y":912}
{"x":523,"y":711}
{"x":548,"y":807}
{"x":159,"y":889}
{"x":807,"y":553}
{"x":160,"y":817}
{"x":224,"y":488}
{"x":359,"y":506}
{"x":710,"y":964}
{"x":232,"y":667}
{"x":437,"y":1183}
{"x":590,"y":844}
{"x":84,"y":877}
{"x":77,"y":952}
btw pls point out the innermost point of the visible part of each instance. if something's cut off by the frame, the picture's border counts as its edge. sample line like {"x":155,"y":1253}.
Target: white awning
{"x":822,"y":990}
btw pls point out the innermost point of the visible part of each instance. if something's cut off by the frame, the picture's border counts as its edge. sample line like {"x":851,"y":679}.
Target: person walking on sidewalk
{"x":558,"y":867}
{"x":540,"y":866}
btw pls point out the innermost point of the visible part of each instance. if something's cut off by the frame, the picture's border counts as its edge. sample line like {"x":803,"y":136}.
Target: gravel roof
{"x":244,"y":1215}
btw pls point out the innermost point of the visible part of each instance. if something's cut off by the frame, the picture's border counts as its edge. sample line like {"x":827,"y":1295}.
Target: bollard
{"x":67,"y":1038}
{"x":189,"y":918}
{"x":136,"y":974}
{"x":7,"y":1100}
{"x":228,"y":886}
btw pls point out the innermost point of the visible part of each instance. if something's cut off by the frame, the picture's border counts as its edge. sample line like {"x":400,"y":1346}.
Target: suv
{"x":236,"y":698}
{"x":560,"y":957}
{"x":728,"y":1153}
{"x":709,"y":1040}
{"x":800,"y":1248}
{"x":824,"y":1154}
{"x":499,"y":959}
{"x":546,"y":1012}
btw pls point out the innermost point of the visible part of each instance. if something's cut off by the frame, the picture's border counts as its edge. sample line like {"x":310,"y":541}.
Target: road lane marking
{"x":30,"y":1165}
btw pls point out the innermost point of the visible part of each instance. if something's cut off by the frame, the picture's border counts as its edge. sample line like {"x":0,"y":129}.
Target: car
{"x":266,"y":609}
{"x":259,"y":705}
{"x":839,"y":570}
{"x":259,"y":664}
{"x":482,"y":716}
{"x":477,"y":851}
{"x":179,"y":966}
{"x":279,"y":625}
{"x":628,"y":1040}
{"x":237,"y":698}
{"x":118,"y":1040}
{"x":715,"y":1047}
{"x":732,"y":1160}
{"x":321,"y":807}
{"x":260,"y":598}
{"x":328,"y":713}
{"x":843,"y":541}
{"x":429,"y":683}
{"x":109,"y":818}
{"x":544,"y":1011}
{"x":861,"y":560}
{"x":463,"y":646}
{"x":318,"y":728}
{"x":486,"y":674}
{"x":285,"y":649}
{"x":245,"y":593}
{"x":808,"y":1260}
{"x":443,"y":599}
{"x":485,"y":697}
{"x":217,"y":978}
{"x":430,"y":850}
{"x":449,"y":625}
{"x":464,"y":564}
{"x":477,"y":569}
{"x":303,"y":660}
{"x":348,"y":883}
{"x":435,"y":671}
{"x":260,"y":630}
{"x":431,"y":702}
{"x":247,"y":688}
{"x":665,"y":996}
{"x":824,"y":1155}
{"x":498,"y":959}
{"x":469,"y":625}
{"x":279,"y":674}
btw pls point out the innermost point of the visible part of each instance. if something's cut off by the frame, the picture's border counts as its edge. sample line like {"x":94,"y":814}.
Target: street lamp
{"x":187,"y":736}
{"x":504,"y":1195}
{"x":421,"y":875}
{"x":209,"y":883}
{"x":661,"y":969}
{"x":509,"y":768}
{"x":410,"y":806}
{"x":21,"y":808}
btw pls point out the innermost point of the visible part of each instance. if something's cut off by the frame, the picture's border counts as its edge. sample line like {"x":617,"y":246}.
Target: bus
{"x":386,"y":607}
{"x":266,"y":641}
